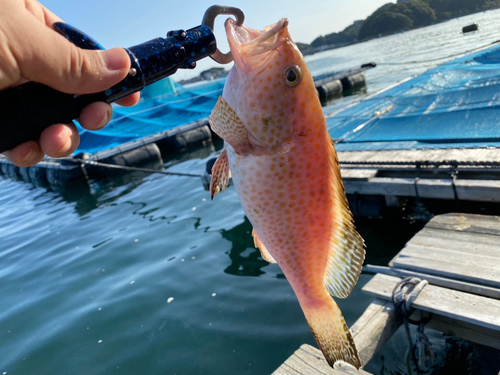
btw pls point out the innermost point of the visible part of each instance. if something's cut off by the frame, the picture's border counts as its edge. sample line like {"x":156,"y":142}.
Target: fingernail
{"x":105,"y":119}
{"x":31,"y":157}
{"x":115,"y":59}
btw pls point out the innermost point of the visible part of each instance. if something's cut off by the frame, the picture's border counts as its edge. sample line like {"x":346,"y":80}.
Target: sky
{"x":124,"y":23}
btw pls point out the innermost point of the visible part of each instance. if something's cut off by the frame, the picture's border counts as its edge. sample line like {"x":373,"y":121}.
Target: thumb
{"x":49,"y":58}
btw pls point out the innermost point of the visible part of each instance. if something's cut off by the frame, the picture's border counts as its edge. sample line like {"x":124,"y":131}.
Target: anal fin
{"x":263,"y":251}
{"x":220,"y":174}
{"x":225,"y":122}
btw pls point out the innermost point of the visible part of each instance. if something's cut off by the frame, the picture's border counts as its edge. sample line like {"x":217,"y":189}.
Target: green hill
{"x":402,"y":16}
{"x":410,"y":14}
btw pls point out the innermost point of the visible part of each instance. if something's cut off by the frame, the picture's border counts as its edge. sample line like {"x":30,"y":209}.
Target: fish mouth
{"x":251,"y":48}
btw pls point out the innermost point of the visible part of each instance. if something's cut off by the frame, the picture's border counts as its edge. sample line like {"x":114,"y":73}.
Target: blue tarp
{"x":456,"y":104}
{"x":164,"y":105}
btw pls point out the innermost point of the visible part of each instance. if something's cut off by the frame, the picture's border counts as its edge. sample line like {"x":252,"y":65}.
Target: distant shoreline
{"x":309,"y":49}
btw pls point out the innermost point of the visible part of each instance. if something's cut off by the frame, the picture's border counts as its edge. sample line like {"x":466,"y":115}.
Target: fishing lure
{"x":26,"y":110}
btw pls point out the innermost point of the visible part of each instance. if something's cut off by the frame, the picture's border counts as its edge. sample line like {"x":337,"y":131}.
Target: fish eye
{"x":292,"y":75}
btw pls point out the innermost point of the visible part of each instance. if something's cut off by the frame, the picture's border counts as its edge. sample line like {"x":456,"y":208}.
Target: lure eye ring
{"x":292,"y":75}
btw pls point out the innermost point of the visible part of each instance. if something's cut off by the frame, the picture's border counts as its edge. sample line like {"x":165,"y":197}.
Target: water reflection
{"x":245,"y":258}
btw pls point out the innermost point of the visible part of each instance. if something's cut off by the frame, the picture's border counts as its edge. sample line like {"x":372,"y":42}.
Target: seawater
{"x":143,"y":274}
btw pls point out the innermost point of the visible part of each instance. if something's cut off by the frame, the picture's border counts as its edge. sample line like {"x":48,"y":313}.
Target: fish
{"x":286,"y":173}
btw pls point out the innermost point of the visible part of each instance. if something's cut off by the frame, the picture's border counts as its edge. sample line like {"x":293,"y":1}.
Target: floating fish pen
{"x":334,"y":84}
{"x":134,"y":137}
{"x":470,"y":28}
{"x":432,"y":137}
{"x":148,"y":150}
{"x":446,"y":278}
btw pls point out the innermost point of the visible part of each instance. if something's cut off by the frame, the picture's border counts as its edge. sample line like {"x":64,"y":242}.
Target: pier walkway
{"x":459,"y":255}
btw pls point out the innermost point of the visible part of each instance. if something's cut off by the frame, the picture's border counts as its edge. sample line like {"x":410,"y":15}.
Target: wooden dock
{"x":459,"y":256}
{"x":466,"y":174}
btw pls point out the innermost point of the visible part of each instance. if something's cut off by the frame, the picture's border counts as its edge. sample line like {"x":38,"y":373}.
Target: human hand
{"x":30,"y":50}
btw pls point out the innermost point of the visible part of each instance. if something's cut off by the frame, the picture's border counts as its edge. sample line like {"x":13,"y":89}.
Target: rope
{"x":375,"y":116}
{"x":404,"y":295}
{"x":134,"y":169}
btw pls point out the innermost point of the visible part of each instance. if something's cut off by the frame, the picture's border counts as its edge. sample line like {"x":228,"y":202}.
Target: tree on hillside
{"x":396,"y":17}
{"x":446,"y":9}
{"x":349,"y":35}
{"x":383,"y":24}
{"x":420,"y":13}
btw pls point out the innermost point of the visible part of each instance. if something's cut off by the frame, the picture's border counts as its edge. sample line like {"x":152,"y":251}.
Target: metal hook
{"x":209,"y":19}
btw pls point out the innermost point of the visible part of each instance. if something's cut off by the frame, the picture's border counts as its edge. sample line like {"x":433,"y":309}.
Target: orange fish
{"x":286,"y":173}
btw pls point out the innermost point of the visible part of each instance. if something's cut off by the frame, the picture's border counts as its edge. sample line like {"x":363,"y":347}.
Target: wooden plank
{"x":381,"y":186}
{"x":308,"y":360}
{"x":464,"y":330}
{"x":450,"y":255}
{"x":374,"y":328}
{"x":483,"y":224}
{"x":478,"y":190}
{"x":483,"y":221}
{"x":466,"y":155}
{"x":477,"y":310}
{"x":475,"y":190}
{"x":435,"y":189}
{"x":472,"y":243}
{"x":370,"y":332}
{"x":480,"y":290}
{"x":462,"y":272}
{"x":358,"y":173}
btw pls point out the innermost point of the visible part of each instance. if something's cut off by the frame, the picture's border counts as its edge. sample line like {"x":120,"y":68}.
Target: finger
{"x":45,"y":56}
{"x":41,"y":13}
{"x":95,"y":116}
{"x":130,"y":100}
{"x":26,"y":154}
{"x":59,"y":140}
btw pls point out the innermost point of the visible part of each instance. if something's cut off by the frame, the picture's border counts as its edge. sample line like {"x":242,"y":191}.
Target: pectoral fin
{"x":227,"y":125}
{"x":220,"y":174}
{"x":263,"y":251}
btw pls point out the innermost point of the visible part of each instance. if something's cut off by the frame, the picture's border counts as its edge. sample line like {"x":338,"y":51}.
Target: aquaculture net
{"x":455,"y":105}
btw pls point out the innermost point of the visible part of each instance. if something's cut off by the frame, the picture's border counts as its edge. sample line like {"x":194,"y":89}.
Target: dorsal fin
{"x":347,"y":251}
{"x":263,"y":251}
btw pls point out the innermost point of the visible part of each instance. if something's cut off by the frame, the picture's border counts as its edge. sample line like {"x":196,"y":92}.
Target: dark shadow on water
{"x":245,"y":259}
{"x":384,"y":238}
{"x":87,"y":194}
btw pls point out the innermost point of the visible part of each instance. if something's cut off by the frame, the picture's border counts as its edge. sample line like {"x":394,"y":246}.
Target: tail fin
{"x":331,"y":333}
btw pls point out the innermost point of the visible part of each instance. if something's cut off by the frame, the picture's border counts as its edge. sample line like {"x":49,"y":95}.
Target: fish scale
{"x":286,"y":174}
